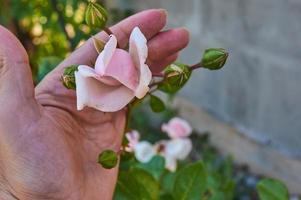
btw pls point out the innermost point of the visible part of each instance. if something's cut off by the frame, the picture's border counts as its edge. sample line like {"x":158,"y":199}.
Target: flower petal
{"x":93,"y":93}
{"x":133,"y":139}
{"x":87,"y":71}
{"x":178,"y":148}
{"x":144,"y":151}
{"x":177,"y":128}
{"x":138,"y":50}
{"x":171,"y":164}
{"x":122,"y":68}
{"x":105,"y":56}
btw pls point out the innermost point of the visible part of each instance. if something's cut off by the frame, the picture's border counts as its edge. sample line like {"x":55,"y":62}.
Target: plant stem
{"x":196,"y":66}
{"x":156,"y":83}
{"x":157,"y":74}
{"x":109,"y":32}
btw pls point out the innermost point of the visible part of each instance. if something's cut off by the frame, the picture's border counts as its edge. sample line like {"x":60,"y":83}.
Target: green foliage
{"x":271,"y":189}
{"x":46,"y":65}
{"x":190,"y":182}
{"x":108,"y":159}
{"x":51,"y":28}
{"x":155,"y":166}
{"x":96,"y":16}
{"x":176,"y":76}
{"x":136,"y":184}
{"x":156,"y":104}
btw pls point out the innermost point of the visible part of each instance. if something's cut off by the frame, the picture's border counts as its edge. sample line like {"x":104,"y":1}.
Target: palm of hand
{"x":48,"y":150}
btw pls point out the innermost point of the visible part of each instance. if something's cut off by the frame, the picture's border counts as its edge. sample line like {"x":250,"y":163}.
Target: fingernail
{"x":163,"y":11}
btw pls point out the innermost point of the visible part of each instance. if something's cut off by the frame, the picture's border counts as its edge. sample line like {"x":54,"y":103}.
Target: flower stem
{"x":196,"y":66}
{"x":109,"y":32}
{"x":157,"y":74}
{"x":156,"y":83}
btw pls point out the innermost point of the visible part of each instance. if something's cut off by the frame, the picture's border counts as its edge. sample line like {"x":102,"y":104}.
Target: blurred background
{"x":257,"y":94}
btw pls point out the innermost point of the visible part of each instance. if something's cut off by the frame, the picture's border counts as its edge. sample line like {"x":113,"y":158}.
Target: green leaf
{"x":271,"y":189}
{"x":108,"y":159}
{"x":136,"y":184}
{"x":155,"y":166}
{"x":156,"y":104}
{"x":176,"y":76}
{"x":190,"y":182}
{"x":96,"y":16}
{"x":167,"y":181}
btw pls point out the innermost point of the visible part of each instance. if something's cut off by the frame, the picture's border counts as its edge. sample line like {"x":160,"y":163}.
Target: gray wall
{"x":259,"y":90}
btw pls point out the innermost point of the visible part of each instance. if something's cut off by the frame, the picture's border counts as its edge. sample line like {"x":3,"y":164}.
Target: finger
{"x":16,"y":84}
{"x":160,"y":65}
{"x":167,"y":43}
{"x":150,"y":22}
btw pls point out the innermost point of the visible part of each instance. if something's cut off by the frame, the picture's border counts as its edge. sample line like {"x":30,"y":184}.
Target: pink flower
{"x":177,"y":128}
{"x":133,"y":138}
{"x":144,"y":151}
{"x":173,"y":150}
{"x":117,"y":78}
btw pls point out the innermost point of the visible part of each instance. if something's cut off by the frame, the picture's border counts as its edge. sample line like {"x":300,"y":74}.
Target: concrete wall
{"x":259,"y":90}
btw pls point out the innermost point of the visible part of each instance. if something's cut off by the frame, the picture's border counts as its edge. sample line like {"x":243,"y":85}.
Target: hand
{"x":48,"y":149}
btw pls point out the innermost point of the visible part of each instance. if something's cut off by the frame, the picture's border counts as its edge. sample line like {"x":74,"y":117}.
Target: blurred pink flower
{"x":118,"y":76}
{"x":144,"y":151}
{"x":173,"y":150}
{"x":133,"y":138}
{"x":177,"y":128}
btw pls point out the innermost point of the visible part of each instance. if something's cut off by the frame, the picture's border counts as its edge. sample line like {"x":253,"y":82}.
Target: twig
{"x":156,"y":83}
{"x":109,"y":32}
{"x":157,"y":74}
{"x":196,"y":66}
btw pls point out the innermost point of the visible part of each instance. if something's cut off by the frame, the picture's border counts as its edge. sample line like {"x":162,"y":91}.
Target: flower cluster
{"x":176,"y":148}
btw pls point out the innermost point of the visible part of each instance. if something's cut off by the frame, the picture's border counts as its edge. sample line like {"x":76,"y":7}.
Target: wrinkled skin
{"x":48,"y":149}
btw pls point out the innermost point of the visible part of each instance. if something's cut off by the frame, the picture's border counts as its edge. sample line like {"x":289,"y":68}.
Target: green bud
{"x":98,"y":45}
{"x":214,"y":58}
{"x":108,"y":159}
{"x":68,"y":77}
{"x":175,"y":77}
{"x":96,"y":15}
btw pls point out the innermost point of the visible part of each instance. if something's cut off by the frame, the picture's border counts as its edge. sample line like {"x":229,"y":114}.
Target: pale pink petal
{"x":178,"y":148}
{"x":171,"y":164}
{"x":105,"y":56}
{"x":133,"y":139}
{"x":93,"y":93}
{"x":122,"y":68}
{"x":138,"y":50}
{"x":87,"y":71}
{"x":177,"y":128}
{"x":144,"y":151}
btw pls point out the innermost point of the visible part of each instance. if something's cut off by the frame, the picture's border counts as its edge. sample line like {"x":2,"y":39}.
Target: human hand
{"x":48,"y":149}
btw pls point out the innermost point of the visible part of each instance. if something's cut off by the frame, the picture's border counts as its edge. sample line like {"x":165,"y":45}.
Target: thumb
{"x":16,"y":84}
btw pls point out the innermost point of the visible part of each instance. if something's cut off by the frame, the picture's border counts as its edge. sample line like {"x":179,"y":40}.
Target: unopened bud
{"x":214,"y":58}
{"x":68,"y":77}
{"x":175,"y":77}
{"x":108,"y":159}
{"x":96,"y":15}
